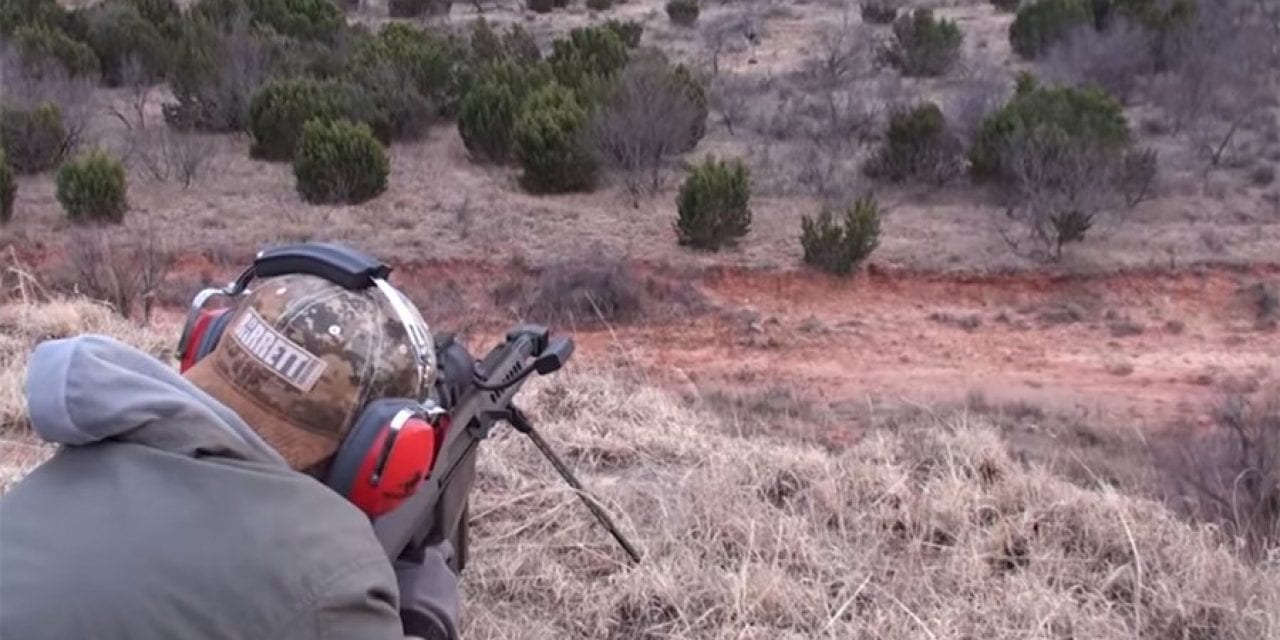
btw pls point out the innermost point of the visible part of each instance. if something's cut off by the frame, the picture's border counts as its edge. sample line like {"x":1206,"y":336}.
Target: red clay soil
{"x":1133,"y":348}
{"x":1140,"y":348}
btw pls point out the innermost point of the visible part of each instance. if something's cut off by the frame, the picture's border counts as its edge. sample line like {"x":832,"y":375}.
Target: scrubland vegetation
{"x":819,"y":136}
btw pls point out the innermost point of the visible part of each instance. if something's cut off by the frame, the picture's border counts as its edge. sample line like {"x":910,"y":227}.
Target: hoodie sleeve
{"x":356,"y":606}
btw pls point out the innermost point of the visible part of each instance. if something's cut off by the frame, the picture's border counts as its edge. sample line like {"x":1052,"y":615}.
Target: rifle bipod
{"x":520,"y":422}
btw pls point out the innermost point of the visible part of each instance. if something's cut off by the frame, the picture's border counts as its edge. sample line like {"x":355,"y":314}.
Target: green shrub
{"x":8,"y":189}
{"x":713,"y":205}
{"x":1156,"y":15}
{"x":25,"y":13}
{"x":339,"y":162}
{"x":421,"y":58}
{"x":540,"y":6}
{"x":587,"y":59}
{"x":486,"y":120}
{"x":629,"y":32}
{"x":838,"y":247}
{"x":918,"y":145}
{"x":280,"y":109}
{"x":487,"y":117}
{"x":1084,"y":116}
{"x":1041,"y":23}
{"x":92,"y":188}
{"x":879,"y":11}
{"x":683,"y":12}
{"x":163,"y":14}
{"x":33,"y":139}
{"x":486,"y":45}
{"x":130,"y":47}
{"x":599,"y":5}
{"x":306,"y":20}
{"x":42,"y":48}
{"x":549,"y":142}
{"x":925,"y":45}
{"x":1007,"y":6}
{"x":416,"y":8}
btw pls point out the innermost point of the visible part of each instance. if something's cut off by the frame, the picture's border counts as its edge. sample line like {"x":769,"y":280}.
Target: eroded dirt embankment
{"x":1144,"y":348}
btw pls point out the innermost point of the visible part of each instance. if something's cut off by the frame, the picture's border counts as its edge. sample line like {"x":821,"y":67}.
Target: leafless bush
{"x":845,"y":51}
{"x":647,"y":120}
{"x":124,"y":270}
{"x":1221,"y":72}
{"x":1230,"y":474}
{"x":577,"y":292}
{"x":179,"y":156}
{"x":25,"y":87}
{"x":214,"y":95}
{"x":1061,"y":187}
{"x":164,"y":153}
{"x":1114,"y":58}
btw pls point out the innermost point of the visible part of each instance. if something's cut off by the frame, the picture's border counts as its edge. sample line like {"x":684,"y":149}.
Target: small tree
{"x":1006,"y":6}
{"x":8,"y":189}
{"x":92,"y":188}
{"x":34,"y":140}
{"x":654,"y":113}
{"x":599,"y":5}
{"x":1041,"y":23}
{"x":683,"y":12}
{"x":713,"y":205}
{"x":549,"y":138}
{"x":925,"y":45}
{"x":540,"y":6}
{"x":1087,"y":114}
{"x":217,"y":67}
{"x":338,"y":161}
{"x":1062,"y":157}
{"x":839,"y":246}
{"x":918,"y":145}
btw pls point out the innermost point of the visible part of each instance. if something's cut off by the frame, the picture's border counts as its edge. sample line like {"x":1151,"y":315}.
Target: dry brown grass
{"x":926,"y":530}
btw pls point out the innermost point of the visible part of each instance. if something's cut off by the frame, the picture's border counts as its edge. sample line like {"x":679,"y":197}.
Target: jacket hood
{"x":92,"y":388}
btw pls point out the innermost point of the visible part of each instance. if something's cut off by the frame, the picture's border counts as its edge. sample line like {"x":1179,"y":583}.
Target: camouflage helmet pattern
{"x":302,"y":356}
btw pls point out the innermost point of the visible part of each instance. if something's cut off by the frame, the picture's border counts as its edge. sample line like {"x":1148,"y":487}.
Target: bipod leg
{"x":521,"y":423}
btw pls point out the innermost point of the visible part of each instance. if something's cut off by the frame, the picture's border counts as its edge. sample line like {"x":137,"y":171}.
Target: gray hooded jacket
{"x":166,"y":517}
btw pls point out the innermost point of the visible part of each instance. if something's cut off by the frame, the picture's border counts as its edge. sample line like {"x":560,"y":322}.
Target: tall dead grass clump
{"x":932,"y":531}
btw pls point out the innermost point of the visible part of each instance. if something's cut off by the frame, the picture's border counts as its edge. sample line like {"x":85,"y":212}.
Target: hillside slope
{"x":925,"y":530}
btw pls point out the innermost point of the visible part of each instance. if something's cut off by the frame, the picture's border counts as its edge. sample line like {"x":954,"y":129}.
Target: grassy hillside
{"x":928,"y":530}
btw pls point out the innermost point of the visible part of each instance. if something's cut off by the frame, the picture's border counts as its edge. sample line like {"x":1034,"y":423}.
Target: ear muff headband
{"x":346,"y":268}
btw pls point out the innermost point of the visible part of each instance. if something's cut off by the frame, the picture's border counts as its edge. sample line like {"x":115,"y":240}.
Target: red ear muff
{"x":385,"y":457}
{"x":202,"y":337}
